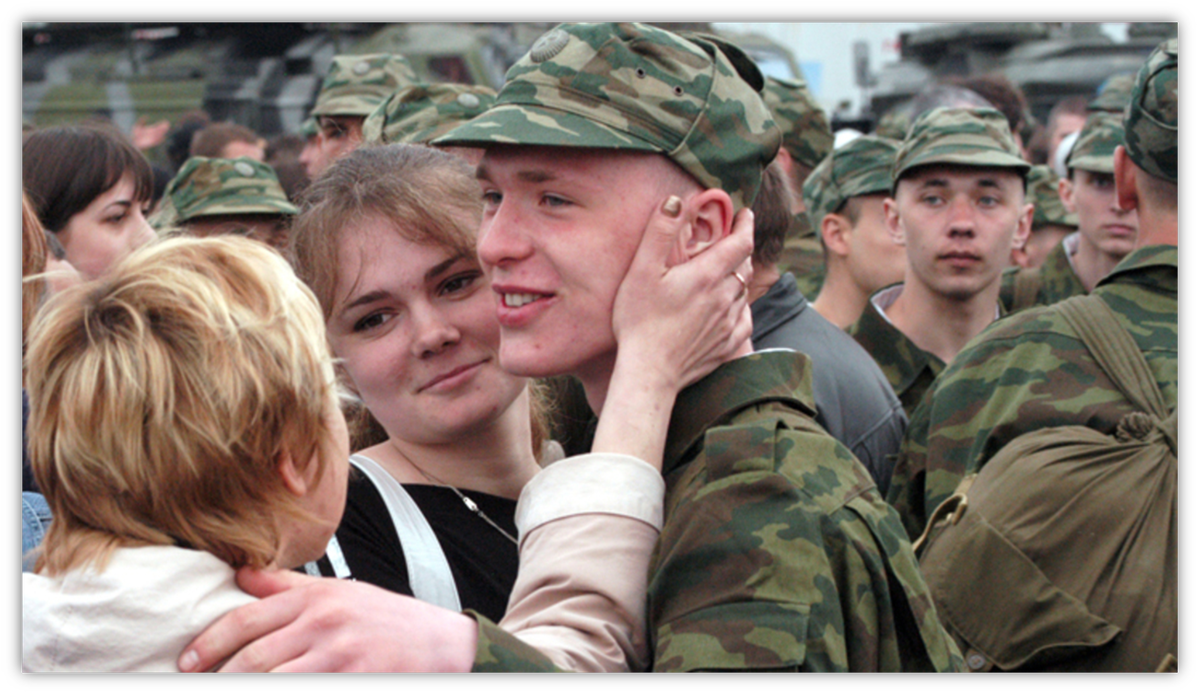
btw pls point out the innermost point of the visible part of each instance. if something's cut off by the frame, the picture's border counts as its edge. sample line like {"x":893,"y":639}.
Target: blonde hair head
{"x":162,"y":396}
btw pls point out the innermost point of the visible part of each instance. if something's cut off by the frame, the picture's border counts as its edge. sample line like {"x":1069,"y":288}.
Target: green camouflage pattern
{"x":1113,"y":95}
{"x":309,"y":128}
{"x":422,"y":112}
{"x":777,"y":551}
{"x":909,"y":369}
{"x":803,"y":255}
{"x":356,"y":84}
{"x":966,"y":137}
{"x":640,"y":88}
{"x":206,"y":186}
{"x":807,"y":135}
{"x":1098,"y":139}
{"x":1041,"y":189}
{"x":1152,"y":115}
{"x":1030,"y":371}
{"x":893,"y":125}
{"x":1055,"y":277}
{"x":859,"y":167}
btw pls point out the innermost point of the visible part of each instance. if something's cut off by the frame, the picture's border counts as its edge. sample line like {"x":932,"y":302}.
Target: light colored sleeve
{"x":587,"y":525}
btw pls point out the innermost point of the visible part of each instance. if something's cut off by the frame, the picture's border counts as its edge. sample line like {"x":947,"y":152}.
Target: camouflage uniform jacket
{"x":1030,"y":371}
{"x":1056,"y":281}
{"x":909,"y":369}
{"x":777,"y":551}
{"x":803,"y":256}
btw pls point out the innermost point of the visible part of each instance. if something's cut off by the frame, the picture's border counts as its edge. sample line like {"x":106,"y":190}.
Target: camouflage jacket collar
{"x":899,"y":357}
{"x":1154,"y":266}
{"x":781,"y":376}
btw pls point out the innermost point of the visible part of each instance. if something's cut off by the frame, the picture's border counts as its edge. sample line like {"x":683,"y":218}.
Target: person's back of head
{"x":1152,"y":127}
{"x":772,"y":216}
{"x":227,"y":140}
{"x":164,"y":398}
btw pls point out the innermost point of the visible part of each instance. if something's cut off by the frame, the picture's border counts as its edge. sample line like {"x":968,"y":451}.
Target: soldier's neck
{"x":939,"y":324}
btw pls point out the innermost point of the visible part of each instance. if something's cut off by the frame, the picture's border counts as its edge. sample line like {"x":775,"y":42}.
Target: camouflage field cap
{"x":208,"y":186}
{"x":1113,"y":95}
{"x":1041,"y":184}
{"x":806,"y":131}
{"x":977,"y":137}
{"x":637,"y":87}
{"x":309,"y":127}
{"x":1098,"y":139}
{"x":422,"y":112}
{"x":356,"y":84}
{"x":1152,"y":115}
{"x":859,"y":167}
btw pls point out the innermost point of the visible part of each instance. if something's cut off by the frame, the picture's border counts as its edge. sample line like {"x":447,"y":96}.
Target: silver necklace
{"x":468,"y":502}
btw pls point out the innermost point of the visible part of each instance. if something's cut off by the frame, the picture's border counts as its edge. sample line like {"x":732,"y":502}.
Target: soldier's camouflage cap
{"x":1041,"y":184}
{"x":893,"y":124}
{"x":1114,"y":94}
{"x":422,"y":112}
{"x":807,"y":135}
{"x":1098,"y":139}
{"x":978,"y":137}
{"x":356,"y":84}
{"x":859,"y":167}
{"x":1152,"y":115}
{"x":309,"y":127}
{"x":207,"y":186}
{"x":640,"y":88}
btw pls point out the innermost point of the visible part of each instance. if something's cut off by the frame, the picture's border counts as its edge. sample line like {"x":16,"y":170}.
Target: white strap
{"x":428,"y":571}
{"x":337,"y":560}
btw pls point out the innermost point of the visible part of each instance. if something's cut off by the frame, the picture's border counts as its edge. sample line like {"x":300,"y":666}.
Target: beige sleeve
{"x":588,"y":525}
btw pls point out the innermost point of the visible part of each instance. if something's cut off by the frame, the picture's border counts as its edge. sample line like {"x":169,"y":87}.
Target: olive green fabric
{"x":1098,"y":139}
{"x":356,"y":84}
{"x":422,"y":112}
{"x":1053,"y":281}
{"x":210,"y":186}
{"x":1041,"y":188}
{"x":859,"y":167}
{"x":803,"y":255}
{"x":1152,"y":116}
{"x":909,"y":369}
{"x":1113,"y":95}
{"x":807,"y":135}
{"x":978,"y":137}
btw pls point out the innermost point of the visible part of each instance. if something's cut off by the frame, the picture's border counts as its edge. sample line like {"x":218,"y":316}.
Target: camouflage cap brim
{"x":531,"y":124}
{"x":218,"y":205}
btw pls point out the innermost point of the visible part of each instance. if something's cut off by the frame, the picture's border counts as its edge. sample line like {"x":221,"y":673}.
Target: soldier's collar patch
{"x":549,"y":45}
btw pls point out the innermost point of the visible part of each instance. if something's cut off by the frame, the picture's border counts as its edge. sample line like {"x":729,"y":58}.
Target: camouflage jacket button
{"x":976,"y":661}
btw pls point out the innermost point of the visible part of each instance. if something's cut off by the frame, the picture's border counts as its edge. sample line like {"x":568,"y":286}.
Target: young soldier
{"x":227,"y":196}
{"x":1051,"y":223}
{"x":1106,"y":232}
{"x":353,"y":87}
{"x":958,"y":207}
{"x":844,"y":197}
{"x":1031,"y":371}
{"x":776,"y":551}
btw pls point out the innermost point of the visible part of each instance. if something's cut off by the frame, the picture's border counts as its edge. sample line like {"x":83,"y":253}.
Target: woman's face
{"x":415,"y":327}
{"x":110,"y":226}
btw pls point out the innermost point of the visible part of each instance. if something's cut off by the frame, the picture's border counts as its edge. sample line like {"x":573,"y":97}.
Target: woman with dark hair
{"x":90,"y":187}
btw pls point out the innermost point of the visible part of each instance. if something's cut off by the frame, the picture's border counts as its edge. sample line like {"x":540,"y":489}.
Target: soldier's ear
{"x":1024,"y":227}
{"x":710,"y":218}
{"x":1066,"y":193}
{"x":891,"y":218}
{"x":1125,"y":179}
{"x":835,"y":234}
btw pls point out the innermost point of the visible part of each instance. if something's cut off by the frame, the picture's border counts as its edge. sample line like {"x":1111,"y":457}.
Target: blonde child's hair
{"x":162,"y":396}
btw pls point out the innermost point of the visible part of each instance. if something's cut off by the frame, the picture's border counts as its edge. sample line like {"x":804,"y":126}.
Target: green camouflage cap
{"x":859,"y":167}
{"x":1041,"y":184}
{"x":422,"y":112}
{"x":208,"y":186}
{"x":1114,"y":94}
{"x":806,"y":132}
{"x":1152,"y":115}
{"x":978,"y":137}
{"x":356,"y":84}
{"x":1098,"y":139}
{"x":641,"y":88}
{"x":894,"y":124}
{"x":309,"y":128}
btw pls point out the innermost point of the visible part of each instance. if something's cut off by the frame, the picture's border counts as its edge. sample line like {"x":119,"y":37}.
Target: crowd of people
{"x":624,"y":367}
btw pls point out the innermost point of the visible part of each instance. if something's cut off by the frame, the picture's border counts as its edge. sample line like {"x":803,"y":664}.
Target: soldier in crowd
{"x":227,"y":196}
{"x":422,"y":112}
{"x":807,"y":139}
{"x":1031,"y":371}
{"x":844,"y":197}
{"x":776,"y":550}
{"x":353,"y":87}
{"x":1066,"y":116}
{"x":1113,"y":96}
{"x":1106,"y":232}
{"x":1051,"y":222}
{"x":958,"y":207}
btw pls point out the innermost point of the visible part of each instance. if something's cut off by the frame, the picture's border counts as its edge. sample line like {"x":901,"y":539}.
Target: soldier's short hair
{"x":210,"y":141}
{"x":772,"y":215}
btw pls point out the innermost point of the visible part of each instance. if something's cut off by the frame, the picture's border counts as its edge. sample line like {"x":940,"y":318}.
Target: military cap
{"x":894,"y":124}
{"x":309,"y":127}
{"x":1098,"y":139}
{"x":208,"y":186}
{"x":807,"y":135}
{"x":1041,"y":184}
{"x":356,"y":84}
{"x":859,"y":167}
{"x":638,"y":88}
{"x":421,"y":112}
{"x":1152,"y":115}
{"x":1113,"y":95}
{"x":977,"y":137}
